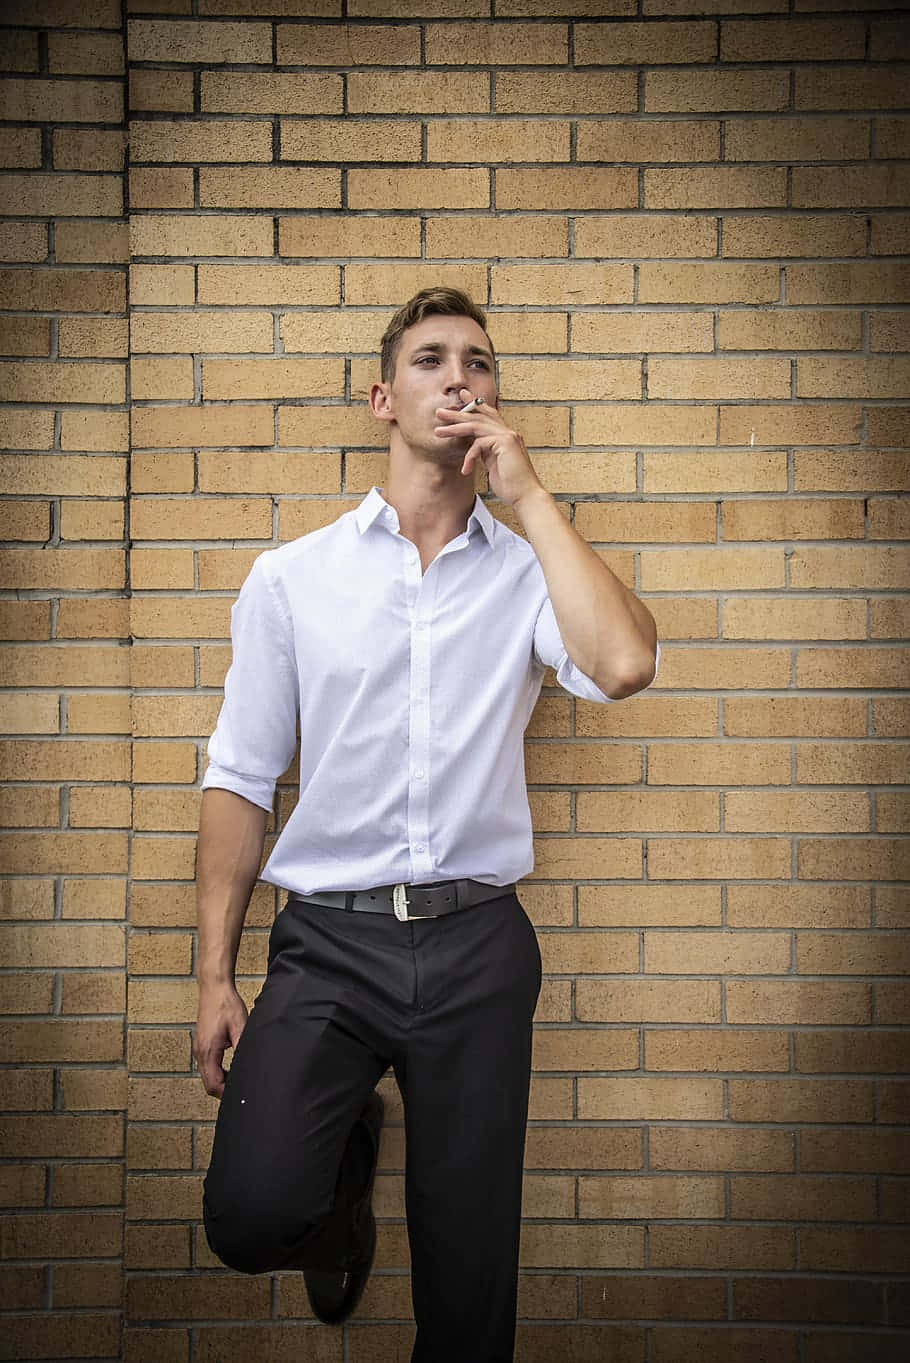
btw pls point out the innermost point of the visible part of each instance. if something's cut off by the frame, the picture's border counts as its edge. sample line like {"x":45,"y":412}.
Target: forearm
{"x":231,"y":837}
{"x":608,"y":633}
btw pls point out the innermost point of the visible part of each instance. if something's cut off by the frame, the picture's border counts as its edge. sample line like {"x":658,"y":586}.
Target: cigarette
{"x":469,"y":406}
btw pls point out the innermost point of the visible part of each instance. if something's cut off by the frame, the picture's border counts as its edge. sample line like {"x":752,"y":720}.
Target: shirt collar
{"x":374,"y":506}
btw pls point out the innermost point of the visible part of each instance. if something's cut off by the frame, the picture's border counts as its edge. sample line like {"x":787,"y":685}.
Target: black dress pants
{"x":448,"y":1003}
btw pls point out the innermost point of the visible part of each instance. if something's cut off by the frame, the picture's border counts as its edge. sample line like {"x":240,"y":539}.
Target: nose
{"x":456,"y":378}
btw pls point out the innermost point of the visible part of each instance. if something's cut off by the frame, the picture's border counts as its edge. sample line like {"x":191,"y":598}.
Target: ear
{"x":380,"y":402}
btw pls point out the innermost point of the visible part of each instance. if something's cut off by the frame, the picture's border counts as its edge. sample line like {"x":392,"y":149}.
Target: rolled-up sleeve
{"x":550,"y":651}
{"x":256,"y":734}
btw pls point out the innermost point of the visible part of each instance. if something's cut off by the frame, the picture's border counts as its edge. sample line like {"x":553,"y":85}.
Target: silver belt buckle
{"x":400,"y":902}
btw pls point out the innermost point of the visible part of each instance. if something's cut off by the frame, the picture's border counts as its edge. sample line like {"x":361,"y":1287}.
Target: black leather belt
{"x":408,"y":901}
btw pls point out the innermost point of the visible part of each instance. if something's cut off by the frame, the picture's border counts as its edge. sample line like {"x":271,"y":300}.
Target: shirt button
{"x":418,"y":776}
{"x":419,"y":847}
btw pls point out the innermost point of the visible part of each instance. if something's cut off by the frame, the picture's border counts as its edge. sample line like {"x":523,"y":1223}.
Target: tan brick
{"x":61,"y":101}
{"x":208,"y":139}
{"x":714,"y":569}
{"x":572,"y":188}
{"x":94,"y":898}
{"x":867,"y":1151}
{"x":102,"y":243}
{"x":849,"y":566}
{"x":872,"y":763}
{"x":654,"y":234}
{"x":718,"y":283}
{"x":582,"y":1247}
{"x":100,"y":807}
{"x":204,"y":42}
{"x":98,"y":714}
{"x":164,"y":187}
{"x":64,"y":290}
{"x":91,"y":520}
{"x":214,"y":427}
{"x":776,"y":618}
{"x":30,"y":1090}
{"x":63,"y":1039}
{"x":159,"y":761}
{"x":796,"y":812}
{"x":717,"y":186}
{"x":853,"y":953}
{"x":718,"y":858}
{"x":163,"y":472}
{"x":889,"y":618}
{"x":815,"y":424}
{"x":389,"y":284}
{"x":561,"y":284}
{"x":20,"y":147}
{"x":795,"y":906}
{"x":581,"y":763}
{"x":64,"y":13}
{"x":253,"y":92}
{"x":799,"y":235}
{"x":49,"y":381}
{"x":696,"y":668}
{"x":72,"y":569}
{"x":273,"y":378}
{"x":25,"y":335}
{"x":25,"y":619}
{"x":650,"y":1099}
{"x":797,"y":139}
{"x":790,"y":39}
{"x":634,"y":425}
{"x":645,"y":522}
{"x":166,"y":810}
{"x":350,"y":140}
{"x":344,"y":237}
{"x":853,"y":377}
{"x":886,"y":331}
{"x":200,"y":518}
{"x":497,"y":45}
{"x":648,"y":1000}
{"x":29,"y":714}
{"x":715,"y":91}
{"x":95,"y":432}
{"x":206,"y":234}
{"x":426,"y":92}
{"x":640,"y":1195}
{"x":838,"y":1052}
{"x":94,"y":336}
{"x":796,"y":518}
{"x":271,"y":187}
{"x":25,"y":241}
{"x":56,"y":195}
{"x":83,"y":1185}
{"x":853,"y":859}
{"x":720,"y":763}
{"x":341,"y":44}
{"x":92,"y":618}
{"x":703,"y":1148}
{"x":800,"y":1100}
{"x":651,"y":332}
{"x":750,"y":1247}
{"x":162,"y":284}
{"x":587,"y":858}
{"x":27,"y":430}
{"x":156,"y":377}
{"x":641,"y":141}
{"x":271,"y":473}
{"x":174,"y":715}
{"x":884,"y":185}
{"x":569,"y":380}
{"x":565,"y":92}
{"x":786,"y":330}
{"x":203,"y":329}
{"x":20,"y":51}
{"x":180,"y":618}
{"x":21,"y":520}
{"x":576,"y":1050}
{"x":157,"y":569}
{"x":856,"y":282}
{"x":87,"y":1285}
{"x":630,"y":811}
{"x":497,"y":237}
{"x":522,"y":333}
{"x":719,"y":378}
{"x":802,"y":1197}
{"x":81,"y":149}
{"x":716,"y":953}
{"x":418,"y":189}
{"x":878,"y":1249}
{"x":648,"y":905}
{"x":167,"y":91}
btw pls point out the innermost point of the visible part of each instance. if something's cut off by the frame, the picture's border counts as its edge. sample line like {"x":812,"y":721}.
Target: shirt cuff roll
{"x":257,"y":789}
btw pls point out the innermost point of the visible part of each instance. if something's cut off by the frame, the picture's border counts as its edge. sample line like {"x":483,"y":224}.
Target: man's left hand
{"x":502,"y":450}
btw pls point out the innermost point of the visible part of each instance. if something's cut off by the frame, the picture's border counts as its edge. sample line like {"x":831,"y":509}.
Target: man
{"x":411,"y":638}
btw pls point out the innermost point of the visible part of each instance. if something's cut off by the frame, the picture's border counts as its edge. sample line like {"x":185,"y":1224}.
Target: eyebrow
{"x":436,"y":347}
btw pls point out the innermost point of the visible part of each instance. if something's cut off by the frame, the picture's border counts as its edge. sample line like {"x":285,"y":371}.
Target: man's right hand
{"x":220,"y":1023}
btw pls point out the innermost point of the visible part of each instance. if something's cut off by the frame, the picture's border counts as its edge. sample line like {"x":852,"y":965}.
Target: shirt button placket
{"x":419,"y":751}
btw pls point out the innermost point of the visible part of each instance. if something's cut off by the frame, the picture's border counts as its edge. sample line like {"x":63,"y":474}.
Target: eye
{"x":428,"y":359}
{"x":479,"y":364}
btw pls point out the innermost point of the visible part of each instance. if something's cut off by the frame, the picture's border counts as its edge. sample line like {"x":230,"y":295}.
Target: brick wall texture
{"x":690,"y":223}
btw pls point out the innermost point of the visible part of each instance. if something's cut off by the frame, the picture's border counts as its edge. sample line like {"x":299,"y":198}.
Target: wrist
{"x":534,"y":496}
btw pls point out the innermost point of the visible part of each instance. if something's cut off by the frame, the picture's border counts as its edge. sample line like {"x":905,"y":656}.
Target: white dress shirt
{"x":413,"y":692}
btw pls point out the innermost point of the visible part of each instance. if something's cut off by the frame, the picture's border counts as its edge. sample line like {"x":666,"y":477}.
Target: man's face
{"x":441,"y":362}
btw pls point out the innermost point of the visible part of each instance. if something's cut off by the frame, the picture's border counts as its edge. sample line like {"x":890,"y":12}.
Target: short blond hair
{"x":441,"y":302}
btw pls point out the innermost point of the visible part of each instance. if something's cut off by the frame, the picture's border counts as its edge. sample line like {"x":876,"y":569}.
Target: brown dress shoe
{"x":335,"y":1292}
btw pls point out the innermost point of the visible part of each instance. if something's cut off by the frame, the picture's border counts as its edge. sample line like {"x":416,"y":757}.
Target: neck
{"x":433,"y":501}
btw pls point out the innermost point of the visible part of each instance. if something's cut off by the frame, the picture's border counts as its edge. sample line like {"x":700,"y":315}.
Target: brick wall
{"x":689,"y":221}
